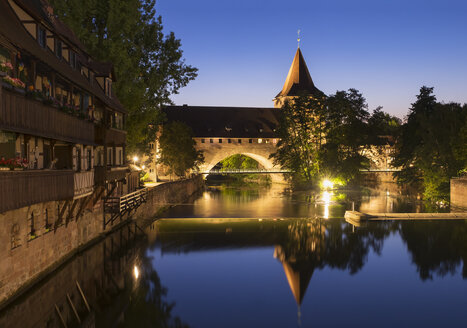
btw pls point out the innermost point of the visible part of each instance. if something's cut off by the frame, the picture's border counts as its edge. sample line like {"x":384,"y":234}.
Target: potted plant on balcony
{"x":4,"y":164}
{"x":5,"y":67}
{"x":16,"y":83}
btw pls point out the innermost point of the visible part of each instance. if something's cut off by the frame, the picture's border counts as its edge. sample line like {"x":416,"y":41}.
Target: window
{"x":202,"y":140}
{"x":266,"y":140}
{"x":108,"y":87}
{"x":89,"y":159}
{"x":220,"y":140}
{"x":250,"y":140}
{"x":58,"y":48}
{"x":211,"y":140}
{"x":229,"y":140}
{"x":109,"y":156}
{"x":41,"y":36}
{"x":260,"y":140}
{"x":239,"y":140}
{"x":73,"y":59}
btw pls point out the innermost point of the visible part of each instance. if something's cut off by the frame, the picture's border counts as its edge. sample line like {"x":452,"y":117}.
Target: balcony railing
{"x":107,"y":136}
{"x":83,"y":183}
{"x":23,"y":115}
{"x":23,"y":188}
{"x":103,"y":174}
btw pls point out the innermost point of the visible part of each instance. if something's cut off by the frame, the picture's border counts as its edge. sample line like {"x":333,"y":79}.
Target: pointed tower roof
{"x":299,"y":79}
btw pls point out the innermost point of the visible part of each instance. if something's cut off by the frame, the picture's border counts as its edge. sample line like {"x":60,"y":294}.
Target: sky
{"x":386,"y":49}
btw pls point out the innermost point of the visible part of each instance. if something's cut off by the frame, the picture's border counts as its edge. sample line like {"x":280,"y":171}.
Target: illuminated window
{"x":274,"y":141}
{"x":260,"y":140}
{"x":266,"y":140}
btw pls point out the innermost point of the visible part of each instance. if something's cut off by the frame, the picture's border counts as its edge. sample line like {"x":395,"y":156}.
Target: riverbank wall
{"x":37,"y":239}
{"x":459,"y":194}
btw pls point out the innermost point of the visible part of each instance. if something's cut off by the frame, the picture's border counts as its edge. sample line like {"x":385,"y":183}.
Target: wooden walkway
{"x":358,"y":216}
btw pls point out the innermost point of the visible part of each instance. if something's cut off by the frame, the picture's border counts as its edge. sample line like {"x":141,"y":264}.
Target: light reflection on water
{"x":254,"y":257}
{"x":296,"y":261}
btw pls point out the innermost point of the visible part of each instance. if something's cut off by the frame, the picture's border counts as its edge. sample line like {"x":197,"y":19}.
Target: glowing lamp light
{"x":328,"y":184}
{"x":143,"y":167}
{"x":136,"y":272}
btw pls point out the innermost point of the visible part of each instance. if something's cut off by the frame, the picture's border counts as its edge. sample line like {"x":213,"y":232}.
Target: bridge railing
{"x":246,"y":171}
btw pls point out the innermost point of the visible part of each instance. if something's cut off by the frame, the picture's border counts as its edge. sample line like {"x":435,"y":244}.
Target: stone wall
{"x":459,"y":194}
{"x":99,"y":271}
{"x":26,"y":258}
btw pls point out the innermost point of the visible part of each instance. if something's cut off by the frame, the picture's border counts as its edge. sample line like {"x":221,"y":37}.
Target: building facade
{"x":62,"y":143}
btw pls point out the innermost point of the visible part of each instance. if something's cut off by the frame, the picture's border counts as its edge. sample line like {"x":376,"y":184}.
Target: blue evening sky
{"x":387,"y":49}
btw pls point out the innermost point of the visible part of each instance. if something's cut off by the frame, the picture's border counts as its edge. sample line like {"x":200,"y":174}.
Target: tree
{"x":148,"y":63}
{"x":301,"y":131}
{"x":178,"y":151}
{"x":431,"y":147}
{"x":347,"y":134}
{"x":324,"y":136}
{"x":238,"y":161}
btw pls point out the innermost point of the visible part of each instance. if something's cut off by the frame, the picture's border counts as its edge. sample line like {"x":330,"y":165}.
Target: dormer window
{"x":41,"y":36}
{"x":73,"y":59}
{"x":58,"y":48}
{"x":108,"y":87}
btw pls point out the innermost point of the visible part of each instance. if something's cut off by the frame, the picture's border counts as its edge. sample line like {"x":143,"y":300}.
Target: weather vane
{"x":298,"y":37}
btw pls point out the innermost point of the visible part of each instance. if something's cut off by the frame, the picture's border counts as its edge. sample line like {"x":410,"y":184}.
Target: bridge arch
{"x":260,"y":152}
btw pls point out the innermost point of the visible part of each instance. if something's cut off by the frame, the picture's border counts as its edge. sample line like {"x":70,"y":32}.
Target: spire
{"x":299,"y":79}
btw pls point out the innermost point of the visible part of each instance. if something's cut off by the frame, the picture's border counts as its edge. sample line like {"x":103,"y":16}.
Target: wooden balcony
{"x":103,"y":174}
{"x":108,"y":136}
{"x":23,"y":188}
{"x":23,"y":115}
{"x":83,"y":184}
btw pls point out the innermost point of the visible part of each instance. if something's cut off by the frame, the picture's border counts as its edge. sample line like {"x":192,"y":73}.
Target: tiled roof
{"x":227,"y":122}
{"x":299,"y":79}
{"x":12,"y":29}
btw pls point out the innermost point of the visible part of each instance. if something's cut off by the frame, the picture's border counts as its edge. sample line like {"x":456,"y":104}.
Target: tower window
{"x":250,"y":140}
{"x":229,"y":140}
{"x":202,"y":140}
{"x":220,"y":140}
{"x":211,"y":140}
{"x":239,"y":140}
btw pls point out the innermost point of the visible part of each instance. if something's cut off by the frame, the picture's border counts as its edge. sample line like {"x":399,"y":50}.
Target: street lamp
{"x":135,"y":159}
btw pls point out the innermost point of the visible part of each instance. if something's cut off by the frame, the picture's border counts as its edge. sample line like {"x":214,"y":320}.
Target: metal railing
{"x":246,"y":171}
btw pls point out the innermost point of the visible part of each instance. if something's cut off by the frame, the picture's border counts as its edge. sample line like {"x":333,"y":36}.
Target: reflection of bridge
{"x":244,"y":171}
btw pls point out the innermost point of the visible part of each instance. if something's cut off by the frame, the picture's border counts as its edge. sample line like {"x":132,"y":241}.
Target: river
{"x":263,"y":257}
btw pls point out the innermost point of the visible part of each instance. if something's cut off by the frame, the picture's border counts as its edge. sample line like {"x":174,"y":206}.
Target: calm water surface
{"x":264,"y":257}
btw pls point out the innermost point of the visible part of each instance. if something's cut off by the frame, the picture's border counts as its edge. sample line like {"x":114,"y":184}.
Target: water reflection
{"x":294,"y":240}
{"x":112,"y":284}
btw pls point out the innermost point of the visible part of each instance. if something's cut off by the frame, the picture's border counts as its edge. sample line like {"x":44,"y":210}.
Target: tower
{"x":298,"y":82}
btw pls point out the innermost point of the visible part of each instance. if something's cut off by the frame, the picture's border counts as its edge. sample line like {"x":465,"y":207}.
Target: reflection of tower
{"x":298,"y":279}
{"x":300,"y":255}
